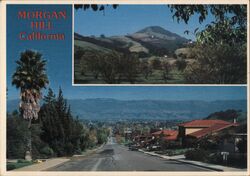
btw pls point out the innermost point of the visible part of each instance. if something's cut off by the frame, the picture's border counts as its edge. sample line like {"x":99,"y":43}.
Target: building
{"x":197,"y":129}
{"x":168,"y":135}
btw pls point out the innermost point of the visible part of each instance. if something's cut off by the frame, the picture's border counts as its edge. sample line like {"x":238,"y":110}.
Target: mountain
{"x":100,"y":108}
{"x":153,"y":40}
{"x":157,"y":34}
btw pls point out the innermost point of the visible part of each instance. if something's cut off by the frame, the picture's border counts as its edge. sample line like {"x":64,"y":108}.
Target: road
{"x":114,"y":157}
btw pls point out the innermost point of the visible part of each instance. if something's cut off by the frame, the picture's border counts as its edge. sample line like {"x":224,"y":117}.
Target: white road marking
{"x":94,"y":168}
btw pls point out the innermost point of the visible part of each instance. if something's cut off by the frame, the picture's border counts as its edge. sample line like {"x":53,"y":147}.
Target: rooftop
{"x":210,"y":130}
{"x":165,"y":132}
{"x":203,"y":123}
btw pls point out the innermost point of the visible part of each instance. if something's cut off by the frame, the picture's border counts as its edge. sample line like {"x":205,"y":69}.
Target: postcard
{"x":124,"y":88}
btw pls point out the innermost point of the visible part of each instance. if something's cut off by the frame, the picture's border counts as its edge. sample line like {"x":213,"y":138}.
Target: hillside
{"x":145,"y":109}
{"x":229,"y":116}
{"x":153,"y":40}
{"x":158,"y":37}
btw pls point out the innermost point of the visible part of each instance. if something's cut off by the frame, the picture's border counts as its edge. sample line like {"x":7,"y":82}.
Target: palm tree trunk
{"x":28,"y":155}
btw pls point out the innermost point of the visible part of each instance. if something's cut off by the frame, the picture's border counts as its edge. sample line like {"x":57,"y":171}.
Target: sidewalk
{"x":181,"y":158}
{"x":54,"y":162}
{"x":44,"y":165}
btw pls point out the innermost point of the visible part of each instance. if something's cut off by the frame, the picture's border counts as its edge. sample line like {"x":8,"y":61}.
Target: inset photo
{"x":160,"y":44}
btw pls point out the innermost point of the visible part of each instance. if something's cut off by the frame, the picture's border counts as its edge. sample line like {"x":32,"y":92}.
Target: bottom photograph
{"x":158,"y":128}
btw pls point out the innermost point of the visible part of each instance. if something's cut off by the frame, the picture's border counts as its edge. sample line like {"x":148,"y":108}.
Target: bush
{"x":11,"y":166}
{"x":242,"y":145}
{"x":197,"y":155}
{"x":47,"y":151}
{"x":22,"y":161}
{"x":18,"y":164}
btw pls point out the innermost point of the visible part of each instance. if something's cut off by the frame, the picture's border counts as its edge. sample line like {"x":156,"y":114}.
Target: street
{"x":115,"y":157}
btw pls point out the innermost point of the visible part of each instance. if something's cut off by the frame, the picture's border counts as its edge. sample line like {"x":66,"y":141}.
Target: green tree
{"x":156,"y":63}
{"x":166,"y":69}
{"x":128,"y":67}
{"x":109,"y":69}
{"x":30,"y":77}
{"x":220,"y":50}
{"x":235,"y":15}
{"x":17,"y":136}
{"x":181,"y":64}
{"x":63,"y":133}
{"x":145,"y":69}
{"x":221,"y":64}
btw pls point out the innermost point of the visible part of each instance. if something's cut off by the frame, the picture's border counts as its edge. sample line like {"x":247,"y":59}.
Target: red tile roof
{"x":203,"y":123}
{"x":168,"y":134}
{"x":172,"y":137}
{"x":210,"y":130}
{"x":164,"y":132}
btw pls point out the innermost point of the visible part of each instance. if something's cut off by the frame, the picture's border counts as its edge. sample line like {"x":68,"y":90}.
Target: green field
{"x":175,"y":77}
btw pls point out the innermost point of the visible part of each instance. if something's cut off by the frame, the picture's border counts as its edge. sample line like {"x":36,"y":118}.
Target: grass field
{"x":175,"y":77}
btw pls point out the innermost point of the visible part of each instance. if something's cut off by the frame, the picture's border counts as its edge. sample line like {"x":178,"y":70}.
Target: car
{"x":133,"y":148}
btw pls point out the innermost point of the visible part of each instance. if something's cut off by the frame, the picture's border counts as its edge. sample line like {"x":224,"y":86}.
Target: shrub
{"x":22,"y":161}
{"x":197,"y":155}
{"x":242,"y":145}
{"x":47,"y":151}
{"x":11,"y":166}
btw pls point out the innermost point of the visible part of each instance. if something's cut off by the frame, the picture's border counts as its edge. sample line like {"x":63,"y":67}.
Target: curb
{"x":206,"y":167}
{"x":181,"y":161}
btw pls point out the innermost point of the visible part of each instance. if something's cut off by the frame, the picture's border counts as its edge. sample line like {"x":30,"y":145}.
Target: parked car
{"x":154,"y":148}
{"x":133,"y":148}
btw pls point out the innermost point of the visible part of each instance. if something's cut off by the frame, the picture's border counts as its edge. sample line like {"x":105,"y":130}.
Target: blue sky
{"x":127,"y":19}
{"x":59,"y":65}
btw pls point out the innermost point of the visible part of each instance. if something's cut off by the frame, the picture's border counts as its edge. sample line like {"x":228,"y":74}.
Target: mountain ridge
{"x":108,"y":108}
{"x":149,"y":40}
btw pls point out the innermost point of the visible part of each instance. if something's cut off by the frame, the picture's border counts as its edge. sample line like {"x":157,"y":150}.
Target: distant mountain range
{"x":145,"y":109}
{"x":150,"y":40}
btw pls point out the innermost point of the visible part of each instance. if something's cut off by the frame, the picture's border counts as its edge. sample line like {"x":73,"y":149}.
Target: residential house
{"x":168,"y":135}
{"x":196,"y":129}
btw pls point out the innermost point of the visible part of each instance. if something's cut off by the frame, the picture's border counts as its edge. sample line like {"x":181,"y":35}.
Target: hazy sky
{"x":59,"y":60}
{"x":131,"y":18}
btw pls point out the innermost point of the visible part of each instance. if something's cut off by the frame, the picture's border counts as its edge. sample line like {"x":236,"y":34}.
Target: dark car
{"x":133,"y":148}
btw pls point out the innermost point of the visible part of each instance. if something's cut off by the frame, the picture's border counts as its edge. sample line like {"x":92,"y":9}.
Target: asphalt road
{"x":114,"y":157}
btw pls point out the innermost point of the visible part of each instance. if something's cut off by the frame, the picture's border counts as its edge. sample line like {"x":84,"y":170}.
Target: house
{"x":168,"y":135}
{"x":197,"y":129}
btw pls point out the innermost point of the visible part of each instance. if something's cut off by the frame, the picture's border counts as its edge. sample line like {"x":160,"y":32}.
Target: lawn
{"x":18,"y":164}
{"x":175,"y":77}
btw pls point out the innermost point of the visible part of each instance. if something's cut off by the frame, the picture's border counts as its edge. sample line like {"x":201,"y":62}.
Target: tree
{"x":94,"y":7}
{"x":30,"y":76}
{"x":91,"y":61}
{"x":220,"y":49}
{"x":181,"y":64}
{"x":156,"y":63}
{"x":217,"y":64}
{"x":235,"y":15}
{"x":109,"y":69}
{"x":166,"y":68}
{"x":17,"y":136}
{"x":128,"y":67}
{"x":145,"y":68}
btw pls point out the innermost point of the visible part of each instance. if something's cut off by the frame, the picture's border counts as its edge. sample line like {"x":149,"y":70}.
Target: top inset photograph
{"x":160,"y":44}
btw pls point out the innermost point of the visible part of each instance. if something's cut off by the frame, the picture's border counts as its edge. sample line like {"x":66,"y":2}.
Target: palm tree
{"x":30,"y":77}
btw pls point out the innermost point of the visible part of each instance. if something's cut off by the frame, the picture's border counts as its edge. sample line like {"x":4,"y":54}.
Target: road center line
{"x":94,"y":168}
